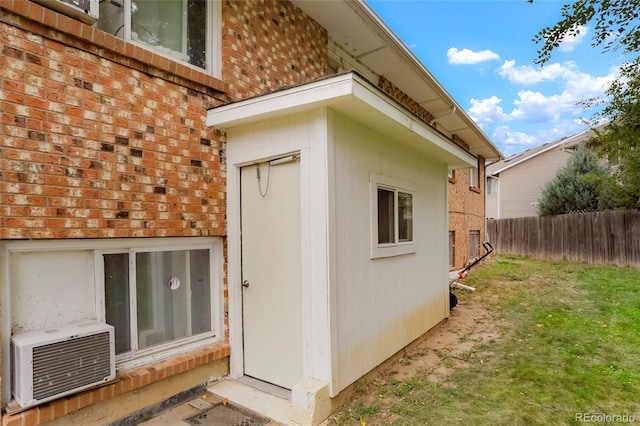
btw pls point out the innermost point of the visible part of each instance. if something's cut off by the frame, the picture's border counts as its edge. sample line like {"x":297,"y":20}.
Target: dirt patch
{"x":463,"y":340}
{"x":449,"y":345}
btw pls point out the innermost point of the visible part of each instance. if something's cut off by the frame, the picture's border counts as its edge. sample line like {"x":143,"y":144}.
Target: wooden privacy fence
{"x":611,"y":238}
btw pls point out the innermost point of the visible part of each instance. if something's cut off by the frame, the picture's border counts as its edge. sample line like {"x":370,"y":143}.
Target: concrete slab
{"x":251,"y":398}
{"x":176,"y":415}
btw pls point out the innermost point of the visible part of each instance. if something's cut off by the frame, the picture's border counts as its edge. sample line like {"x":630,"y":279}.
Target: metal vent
{"x":70,"y":364}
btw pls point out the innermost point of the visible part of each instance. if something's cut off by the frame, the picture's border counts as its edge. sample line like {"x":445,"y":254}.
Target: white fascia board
{"x":274,"y":104}
{"x":348,"y":94}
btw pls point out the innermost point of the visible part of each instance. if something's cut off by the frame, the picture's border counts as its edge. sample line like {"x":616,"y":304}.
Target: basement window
{"x":392,"y":208}
{"x":156,"y":297}
{"x":164,"y":296}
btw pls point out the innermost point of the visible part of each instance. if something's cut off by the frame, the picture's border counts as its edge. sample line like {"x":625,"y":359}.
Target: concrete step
{"x":261,"y":398}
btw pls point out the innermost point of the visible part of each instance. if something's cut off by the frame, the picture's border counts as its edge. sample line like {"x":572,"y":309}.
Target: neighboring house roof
{"x":567,"y":143}
{"x":356,"y":28}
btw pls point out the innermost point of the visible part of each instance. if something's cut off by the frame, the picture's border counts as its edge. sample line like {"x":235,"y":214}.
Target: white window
{"x":492,"y":185}
{"x":162,"y":295}
{"x":155,"y":298}
{"x":474,"y":243}
{"x":392,"y":207}
{"x":473,"y":177}
{"x":182,"y":30}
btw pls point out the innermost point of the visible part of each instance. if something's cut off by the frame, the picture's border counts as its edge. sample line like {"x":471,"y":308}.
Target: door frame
{"x":235,"y":313}
{"x":303,"y":134}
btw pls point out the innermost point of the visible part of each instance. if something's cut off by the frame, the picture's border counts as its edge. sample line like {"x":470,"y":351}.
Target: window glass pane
{"x":473,"y":244}
{"x":176,"y":28}
{"x":200,"y":291}
{"x":473,"y":177}
{"x":116,"y":287}
{"x":162,"y":310}
{"x":492,"y":186}
{"x":405,"y":217}
{"x":385,"y":216}
{"x":111,"y":18}
{"x":197,"y":32}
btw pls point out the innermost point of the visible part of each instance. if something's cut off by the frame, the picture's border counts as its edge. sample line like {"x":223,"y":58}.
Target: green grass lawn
{"x":571,"y":348}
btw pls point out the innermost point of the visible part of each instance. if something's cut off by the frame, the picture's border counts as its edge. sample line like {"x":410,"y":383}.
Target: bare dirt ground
{"x":453,"y":344}
{"x":454,"y":339}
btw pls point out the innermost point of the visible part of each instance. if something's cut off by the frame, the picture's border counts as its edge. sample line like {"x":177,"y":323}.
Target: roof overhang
{"x":356,"y":28}
{"x":354,"y":97}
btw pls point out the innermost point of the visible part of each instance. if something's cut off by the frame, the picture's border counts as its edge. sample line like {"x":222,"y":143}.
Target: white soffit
{"x":351,"y":96}
{"x":355,"y":27}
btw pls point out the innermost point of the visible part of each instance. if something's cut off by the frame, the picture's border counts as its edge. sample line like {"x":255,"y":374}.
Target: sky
{"x":482,"y":52}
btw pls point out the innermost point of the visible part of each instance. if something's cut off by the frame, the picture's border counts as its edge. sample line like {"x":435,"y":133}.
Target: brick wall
{"x":92,"y":148}
{"x":100,"y":138}
{"x":466,"y":212}
{"x":267,"y":45}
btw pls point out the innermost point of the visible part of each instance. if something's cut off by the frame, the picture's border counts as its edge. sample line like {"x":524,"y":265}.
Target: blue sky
{"x":482,"y":52}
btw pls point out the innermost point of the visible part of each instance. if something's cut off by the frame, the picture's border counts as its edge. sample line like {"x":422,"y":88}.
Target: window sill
{"x":452,"y":180}
{"x":474,"y":189}
{"x":392,"y":250}
{"x":161,"y":353}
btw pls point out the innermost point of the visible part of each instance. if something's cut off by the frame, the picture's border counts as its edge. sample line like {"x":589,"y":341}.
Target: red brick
{"x":45,"y":414}
{"x":84,"y":399}
{"x":29,"y":417}
{"x":59,"y":408}
{"x":14,"y":420}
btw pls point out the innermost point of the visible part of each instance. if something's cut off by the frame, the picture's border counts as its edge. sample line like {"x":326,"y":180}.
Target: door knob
{"x":245,"y":283}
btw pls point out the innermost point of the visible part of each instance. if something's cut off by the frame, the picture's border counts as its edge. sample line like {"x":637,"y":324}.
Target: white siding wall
{"x":383,"y":304}
{"x":491,"y":206}
{"x":521,"y":186}
{"x":357,"y":311}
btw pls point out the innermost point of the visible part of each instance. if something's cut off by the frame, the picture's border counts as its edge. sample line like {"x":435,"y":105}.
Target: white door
{"x":271,"y":272}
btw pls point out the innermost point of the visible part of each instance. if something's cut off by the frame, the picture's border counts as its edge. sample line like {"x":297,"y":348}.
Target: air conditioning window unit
{"x":53,"y":362}
{"x":86,"y":11}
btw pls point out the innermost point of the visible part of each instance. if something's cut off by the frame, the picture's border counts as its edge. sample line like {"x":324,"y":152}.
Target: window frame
{"x":137,"y":357}
{"x":114,"y":245}
{"x":474,"y":177}
{"x":492,"y":189}
{"x":397,"y":247}
{"x":213,"y":40}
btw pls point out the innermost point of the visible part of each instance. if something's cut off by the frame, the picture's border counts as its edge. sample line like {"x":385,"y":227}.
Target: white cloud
{"x":538,"y":108}
{"x":487,"y":110}
{"x":513,"y":141}
{"x":569,"y":43}
{"x":466,"y":56}
{"x":573,"y":86}
{"x":526,"y":74}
